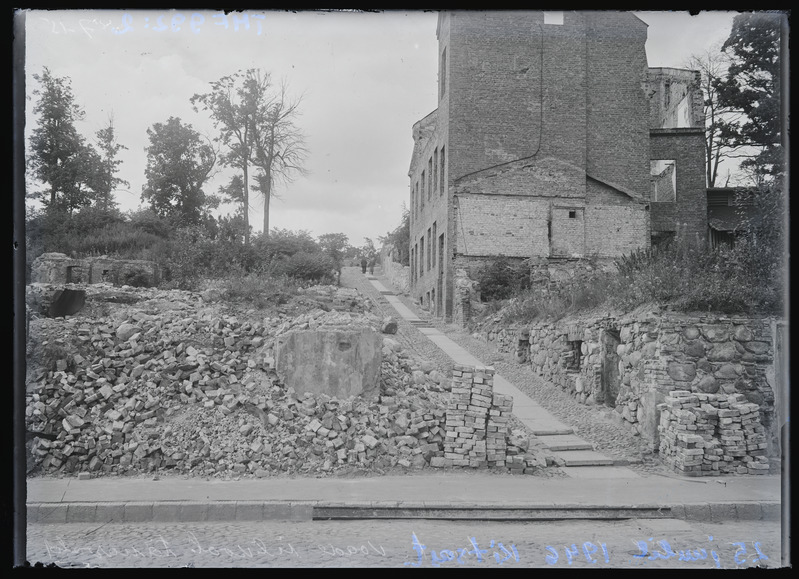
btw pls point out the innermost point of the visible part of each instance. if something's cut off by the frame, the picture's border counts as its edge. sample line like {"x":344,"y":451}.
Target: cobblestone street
{"x":390,"y":543}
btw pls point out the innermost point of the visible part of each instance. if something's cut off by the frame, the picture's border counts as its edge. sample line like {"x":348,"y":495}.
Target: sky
{"x":364,"y":80}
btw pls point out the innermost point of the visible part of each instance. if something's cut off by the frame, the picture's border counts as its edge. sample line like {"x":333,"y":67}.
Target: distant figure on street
{"x":372,"y":266}
{"x":363,"y":264}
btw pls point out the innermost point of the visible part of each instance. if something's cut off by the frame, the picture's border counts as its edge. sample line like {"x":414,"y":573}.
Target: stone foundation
{"x":631,"y":363}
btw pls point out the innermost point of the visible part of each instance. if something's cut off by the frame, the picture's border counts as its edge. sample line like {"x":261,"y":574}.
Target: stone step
{"x":583,"y":458}
{"x":566,"y":442}
{"x":544,"y":430}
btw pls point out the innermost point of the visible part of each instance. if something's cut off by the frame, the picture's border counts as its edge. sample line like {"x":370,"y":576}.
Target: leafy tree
{"x":753,"y":86}
{"x":233,"y":103}
{"x":178,"y":165}
{"x":256,"y":123}
{"x":60,"y":156}
{"x":400,"y":238}
{"x":285,"y":243}
{"x":106,"y":180}
{"x":335,"y":246}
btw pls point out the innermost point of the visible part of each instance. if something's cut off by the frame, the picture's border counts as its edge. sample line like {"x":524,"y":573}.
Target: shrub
{"x":501,"y":279}
{"x":260,"y":290}
{"x":315,"y":267}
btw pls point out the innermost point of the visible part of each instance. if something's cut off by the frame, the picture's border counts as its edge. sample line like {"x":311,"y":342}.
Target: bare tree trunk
{"x":246,"y":202}
{"x":267,"y":191}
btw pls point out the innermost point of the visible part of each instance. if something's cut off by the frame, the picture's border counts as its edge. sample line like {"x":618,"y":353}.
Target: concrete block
{"x":193,"y":512}
{"x":277,"y":511}
{"x":32,"y":514}
{"x":678,"y":511}
{"x":81,"y":512}
{"x":221,"y":511}
{"x":749,"y":511}
{"x":339,"y":362}
{"x":249,"y":510}
{"x":52,"y":513}
{"x":138,"y":512}
{"x":720,"y":512}
{"x":300,"y":511}
{"x":697,"y":512}
{"x":166,"y":512}
{"x":772,"y":511}
{"x":110,"y":513}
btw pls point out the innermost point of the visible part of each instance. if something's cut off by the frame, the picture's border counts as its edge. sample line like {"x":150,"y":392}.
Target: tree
{"x":335,"y":245}
{"x":106,"y":179}
{"x":256,"y":123}
{"x":720,"y":120}
{"x":400,"y":238}
{"x":178,"y":165}
{"x":233,"y":103}
{"x":753,"y":86}
{"x":278,"y":145}
{"x":60,"y":156}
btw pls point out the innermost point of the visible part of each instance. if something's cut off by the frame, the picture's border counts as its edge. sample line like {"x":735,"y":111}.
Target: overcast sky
{"x":365,"y":79}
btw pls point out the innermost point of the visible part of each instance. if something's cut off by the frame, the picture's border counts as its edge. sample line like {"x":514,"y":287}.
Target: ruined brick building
{"x":552,"y":140}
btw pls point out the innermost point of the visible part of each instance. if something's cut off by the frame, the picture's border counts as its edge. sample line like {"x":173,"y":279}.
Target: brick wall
{"x":613,"y":230}
{"x":512,"y":226}
{"x":616,"y":101}
{"x":687,"y":216}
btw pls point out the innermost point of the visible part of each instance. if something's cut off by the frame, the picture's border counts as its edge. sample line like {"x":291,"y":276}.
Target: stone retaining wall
{"x":631,"y":363}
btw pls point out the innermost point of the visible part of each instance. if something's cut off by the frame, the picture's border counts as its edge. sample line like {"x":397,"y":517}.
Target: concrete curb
{"x":229,"y":511}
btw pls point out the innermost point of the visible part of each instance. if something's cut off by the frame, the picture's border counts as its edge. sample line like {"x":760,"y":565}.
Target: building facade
{"x":542,"y":146}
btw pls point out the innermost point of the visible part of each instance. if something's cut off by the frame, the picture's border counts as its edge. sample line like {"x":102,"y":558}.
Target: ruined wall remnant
{"x":676,"y":100}
{"x":57,"y":268}
{"x":632,"y":363}
{"x":341,"y":362}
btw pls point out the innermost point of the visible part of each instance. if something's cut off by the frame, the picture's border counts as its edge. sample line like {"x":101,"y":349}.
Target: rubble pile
{"x":710,"y":434}
{"x":173,"y":384}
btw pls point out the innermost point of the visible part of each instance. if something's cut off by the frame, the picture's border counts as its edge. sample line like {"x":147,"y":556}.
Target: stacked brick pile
{"x":684,"y":431}
{"x":467,"y":416}
{"x":476,"y":420}
{"x":742,"y":437}
{"x":707,"y":434}
{"x":497,"y":429}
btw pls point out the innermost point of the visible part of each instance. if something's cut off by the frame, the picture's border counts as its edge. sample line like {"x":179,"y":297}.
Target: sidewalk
{"x":450,"y":495}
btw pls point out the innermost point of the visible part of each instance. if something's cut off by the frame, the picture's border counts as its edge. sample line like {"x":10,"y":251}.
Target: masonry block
{"x":341,"y":363}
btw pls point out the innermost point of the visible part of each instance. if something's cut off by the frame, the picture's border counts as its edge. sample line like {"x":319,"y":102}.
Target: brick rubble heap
{"x":710,"y":434}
